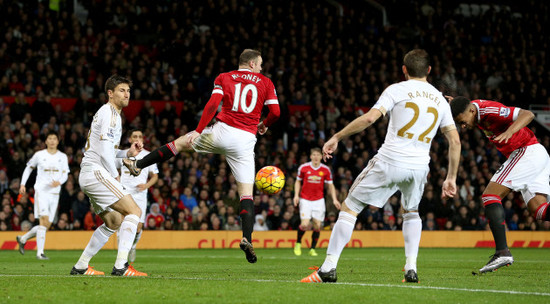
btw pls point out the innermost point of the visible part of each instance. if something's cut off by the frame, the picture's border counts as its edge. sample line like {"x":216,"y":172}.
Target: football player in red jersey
{"x":309,"y":193}
{"x":244,"y":93}
{"x":526,"y":170}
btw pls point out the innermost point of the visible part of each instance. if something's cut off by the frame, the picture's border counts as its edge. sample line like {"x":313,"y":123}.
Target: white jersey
{"x":49,"y":168}
{"x":416,"y":110}
{"x":130,"y":182}
{"x":103,"y":140}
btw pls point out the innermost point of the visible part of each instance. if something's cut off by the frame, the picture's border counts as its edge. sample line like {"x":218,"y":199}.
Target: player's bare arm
{"x":359,"y":124}
{"x":524,"y":118}
{"x":335,"y":201}
{"x":449,"y":185}
{"x":22,"y":189}
{"x":297,"y":187}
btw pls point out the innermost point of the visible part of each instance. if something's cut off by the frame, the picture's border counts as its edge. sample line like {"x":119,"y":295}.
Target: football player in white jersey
{"x":137,"y":186}
{"x":416,"y":111}
{"x":52,"y":167}
{"x":100,"y":180}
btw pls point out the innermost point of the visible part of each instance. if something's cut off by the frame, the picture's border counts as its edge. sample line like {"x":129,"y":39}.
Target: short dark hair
{"x":248,"y":55}
{"x":459,"y":105}
{"x":52,"y":132}
{"x":134,"y":130}
{"x":417,"y":63}
{"x":114,"y":81}
{"x":315,"y":150}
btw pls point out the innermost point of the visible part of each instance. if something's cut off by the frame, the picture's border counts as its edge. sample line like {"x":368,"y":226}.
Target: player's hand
{"x":262,"y":128}
{"x":296,"y":201}
{"x":141,"y":187}
{"x":449,"y":98}
{"x":330,"y":146}
{"x":336,"y":204}
{"x":191,"y":137}
{"x":449,"y":189}
{"x":504,"y":137}
{"x":135,"y":149}
{"x":55,"y":184}
{"x":22,"y":189}
{"x":118,"y":178}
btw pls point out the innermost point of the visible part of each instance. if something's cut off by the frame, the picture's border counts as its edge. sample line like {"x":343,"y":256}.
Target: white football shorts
{"x":237,"y":145}
{"x":102,"y":189}
{"x":527,"y":170}
{"x":45,"y":204}
{"x":380,"y":180}
{"x":312,"y":209}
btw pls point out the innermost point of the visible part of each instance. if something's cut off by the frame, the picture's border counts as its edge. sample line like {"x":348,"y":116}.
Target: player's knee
{"x":346,"y":209}
{"x":113,"y":223}
{"x":136,"y":211}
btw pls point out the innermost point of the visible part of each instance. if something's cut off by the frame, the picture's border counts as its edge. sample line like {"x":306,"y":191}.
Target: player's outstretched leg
{"x":159,"y":155}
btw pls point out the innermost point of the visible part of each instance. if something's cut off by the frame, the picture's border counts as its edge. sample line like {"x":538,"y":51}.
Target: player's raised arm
{"x":357,"y":125}
{"x":524,"y":118}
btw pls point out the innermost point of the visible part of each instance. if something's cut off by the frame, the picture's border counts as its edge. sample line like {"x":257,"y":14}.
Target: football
{"x":270,"y":180}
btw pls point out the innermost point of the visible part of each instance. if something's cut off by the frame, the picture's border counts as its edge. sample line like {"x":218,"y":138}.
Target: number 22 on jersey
{"x":422,"y":137}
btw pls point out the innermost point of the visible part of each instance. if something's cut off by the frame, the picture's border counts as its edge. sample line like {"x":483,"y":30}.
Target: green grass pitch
{"x":370,"y":275}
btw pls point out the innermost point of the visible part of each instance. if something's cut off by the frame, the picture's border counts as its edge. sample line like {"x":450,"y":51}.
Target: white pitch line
{"x":513,"y":292}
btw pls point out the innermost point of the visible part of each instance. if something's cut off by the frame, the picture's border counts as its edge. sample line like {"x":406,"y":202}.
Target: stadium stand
{"x":328,"y":66}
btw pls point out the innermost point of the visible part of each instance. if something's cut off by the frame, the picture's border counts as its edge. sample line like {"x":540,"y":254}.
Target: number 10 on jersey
{"x":240,"y":98}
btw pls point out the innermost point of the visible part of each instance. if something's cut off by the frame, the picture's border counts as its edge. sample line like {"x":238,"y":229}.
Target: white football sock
{"x":126,"y":236}
{"x":40,"y":239}
{"x":341,"y":234}
{"x":412,"y":230}
{"x":30,"y":234}
{"x":99,"y":238}
{"x":136,"y":240}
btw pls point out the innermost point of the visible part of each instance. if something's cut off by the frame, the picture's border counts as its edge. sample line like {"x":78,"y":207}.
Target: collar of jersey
{"x":248,"y":70}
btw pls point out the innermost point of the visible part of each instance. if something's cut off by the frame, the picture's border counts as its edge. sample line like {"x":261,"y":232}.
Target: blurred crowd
{"x":337,"y":65}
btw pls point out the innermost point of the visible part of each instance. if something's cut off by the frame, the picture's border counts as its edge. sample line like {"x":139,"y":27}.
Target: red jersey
{"x":244,"y":95}
{"x":314,"y":180}
{"x":493,"y":118}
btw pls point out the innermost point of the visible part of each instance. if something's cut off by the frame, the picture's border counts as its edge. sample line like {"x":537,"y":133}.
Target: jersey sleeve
{"x":496,"y":111}
{"x":447,"y":121}
{"x":154,"y":169}
{"x":271,"y":94}
{"x":65,"y":169}
{"x":300,"y":175}
{"x":107,"y":124}
{"x":328,"y":176}
{"x":31,"y":165}
{"x":386,"y":101}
